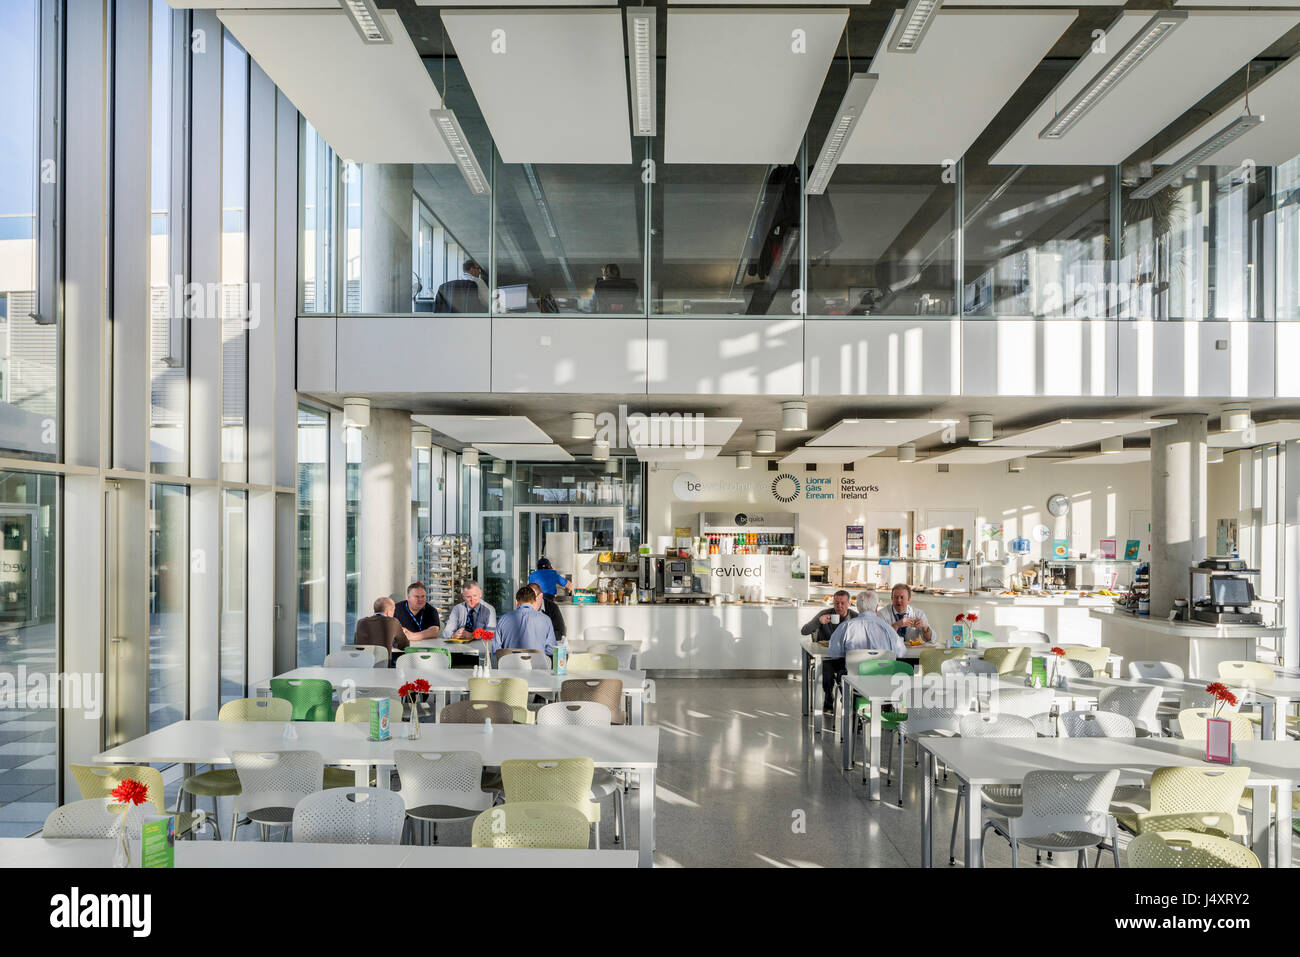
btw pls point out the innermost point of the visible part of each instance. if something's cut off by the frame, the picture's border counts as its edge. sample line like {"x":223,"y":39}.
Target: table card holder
{"x":380,"y":727}
{"x":1038,"y":672}
{"x":158,"y":842}
{"x":1218,"y":740}
{"x":958,"y":634}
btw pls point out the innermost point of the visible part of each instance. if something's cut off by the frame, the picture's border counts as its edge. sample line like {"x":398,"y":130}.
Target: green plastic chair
{"x":312,"y":698}
{"x":979,"y":637}
{"x":889,"y":720}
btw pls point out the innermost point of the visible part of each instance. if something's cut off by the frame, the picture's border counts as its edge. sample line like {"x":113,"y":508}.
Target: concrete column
{"x":1178,"y":508}
{"x":384,"y":538}
{"x":386,"y":275}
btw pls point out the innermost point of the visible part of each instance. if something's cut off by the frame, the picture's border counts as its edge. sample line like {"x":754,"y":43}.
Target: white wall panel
{"x":316,"y":354}
{"x":725,"y":357}
{"x":882,"y":356}
{"x":1225,"y":359}
{"x":1039,"y":357}
{"x":423,"y":354}
{"x":568,"y":355}
{"x":1286,"y":348}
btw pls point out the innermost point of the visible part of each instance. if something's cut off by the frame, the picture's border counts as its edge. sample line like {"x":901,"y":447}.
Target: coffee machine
{"x":675,"y":580}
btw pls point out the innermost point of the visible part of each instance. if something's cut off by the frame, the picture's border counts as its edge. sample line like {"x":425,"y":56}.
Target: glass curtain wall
{"x":234,"y":594}
{"x":319,"y":173}
{"x":169,"y":564}
{"x":313,"y":536}
{"x":1287,"y":206}
{"x":234,"y":260}
{"x":352,"y":439}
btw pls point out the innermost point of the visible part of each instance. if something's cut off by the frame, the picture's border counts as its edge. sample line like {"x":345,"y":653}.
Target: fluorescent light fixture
{"x":917,"y":17}
{"x":1146,"y":40}
{"x":765,"y":441}
{"x":366,"y":19}
{"x":461,"y":154}
{"x":469,"y":456}
{"x":851,"y":107}
{"x":744,"y":460}
{"x":907,"y":453}
{"x":1175,"y":171}
{"x":356,"y":413}
{"x":794,"y":416}
{"x":641,"y":71}
{"x":584,"y":425}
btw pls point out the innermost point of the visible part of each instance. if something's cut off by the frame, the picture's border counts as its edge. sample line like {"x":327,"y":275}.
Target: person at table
{"x":382,"y":628}
{"x":548,"y":578}
{"x":525,"y":627}
{"x":471,"y":614}
{"x":864,"y":631}
{"x":551,"y":609}
{"x":867,"y":603}
{"x":822,"y":625}
{"x":417,"y":617}
{"x":910,"y":623}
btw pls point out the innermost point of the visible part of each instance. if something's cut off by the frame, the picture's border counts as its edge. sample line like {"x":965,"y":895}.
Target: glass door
{"x":597,"y":530}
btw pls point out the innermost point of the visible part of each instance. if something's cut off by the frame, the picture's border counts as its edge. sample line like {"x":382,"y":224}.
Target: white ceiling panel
{"x":1264,"y":433}
{"x":524,"y":453}
{"x":945,"y":94}
{"x":1272,"y":143}
{"x":884,"y":432}
{"x":1068,"y":433}
{"x":676,"y":453}
{"x":1190,"y":62}
{"x":370,"y":102}
{"x":735,"y":91}
{"x":485,"y":428}
{"x":978,"y":455}
{"x":1029,"y":3}
{"x":824,"y":454}
{"x":251,"y":4}
{"x":679,"y":429}
{"x":1127,"y":457}
{"x":558,"y":94}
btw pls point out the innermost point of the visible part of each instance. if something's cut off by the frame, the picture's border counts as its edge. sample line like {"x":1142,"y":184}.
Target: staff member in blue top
{"x":548,"y":578}
{"x":418,"y":618}
{"x":525,"y":627}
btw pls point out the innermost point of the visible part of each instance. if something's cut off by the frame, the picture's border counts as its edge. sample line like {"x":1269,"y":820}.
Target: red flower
{"x":130,"y":791}
{"x":405,"y":689}
{"x":972,"y":616}
{"x":960,"y":619}
{"x":1059,"y":651}
{"x":482,"y":634}
{"x":421,"y":686}
{"x":1222,"y":692}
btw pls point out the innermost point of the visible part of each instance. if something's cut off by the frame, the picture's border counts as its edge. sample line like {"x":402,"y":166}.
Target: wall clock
{"x":1058,"y":505}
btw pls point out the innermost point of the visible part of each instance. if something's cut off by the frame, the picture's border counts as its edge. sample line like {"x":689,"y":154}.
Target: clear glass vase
{"x":127,"y":830}
{"x":413,"y":726}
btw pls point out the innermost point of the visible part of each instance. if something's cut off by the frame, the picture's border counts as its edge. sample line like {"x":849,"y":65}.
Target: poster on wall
{"x":1131,"y":550}
{"x":1060,"y":548}
{"x":1108,"y":547}
{"x":1225,"y":537}
{"x":991,"y":530}
{"x":854,"y":538}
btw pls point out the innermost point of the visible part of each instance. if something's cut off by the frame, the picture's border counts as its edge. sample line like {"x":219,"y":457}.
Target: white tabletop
{"x":38,"y":852}
{"x":814,"y":648}
{"x":454,"y":679}
{"x":348,"y":743}
{"x":455,"y":647}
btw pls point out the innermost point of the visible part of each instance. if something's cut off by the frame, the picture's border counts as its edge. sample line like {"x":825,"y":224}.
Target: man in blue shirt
{"x":417,"y":617}
{"x":471,"y":614}
{"x":548,"y":578}
{"x":525,"y":627}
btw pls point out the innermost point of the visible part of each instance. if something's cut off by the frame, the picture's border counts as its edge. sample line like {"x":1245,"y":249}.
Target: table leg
{"x":874,"y":747}
{"x":847,"y":734}
{"x":1269,"y":711}
{"x":1260,"y":814}
{"x":812,"y":694}
{"x":927,"y":809}
{"x":974,"y":825}
{"x":646,"y":817}
{"x":362,"y":773}
{"x":1280,"y":708}
{"x":188,"y":771}
{"x":803,"y":680}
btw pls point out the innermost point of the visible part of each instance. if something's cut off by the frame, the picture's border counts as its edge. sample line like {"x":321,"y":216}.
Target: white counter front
{"x":1066,"y":620}
{"x":1194,"y":646}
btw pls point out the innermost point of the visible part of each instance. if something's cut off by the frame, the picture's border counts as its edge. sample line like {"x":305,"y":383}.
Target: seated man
{"x":382,"y":628}
{"x":471,"y":614}
{"x":823,"y":625}
{"x":551,"y":609}
{"x":525,"y":627}
{"x":864,"y":631}
{"x":417,"y":617}
{"x":903,"y":618}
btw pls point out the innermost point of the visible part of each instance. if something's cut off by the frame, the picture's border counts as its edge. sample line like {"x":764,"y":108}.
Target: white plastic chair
{"x":1025,"y":702}
{"x":1137,"y":670}
{"x":348,"y":658}
{"x":421,"y":665}
{"x":349,"y":816}
{"x":1029,"y":637}
{"x":625,"y":652}
{"x":89,"y":818}
{"x":1097,"y":724}
{"x":272,"y":785}
{"x":1073,"y":668}
{"x":603,"y":633}
{"x":1061,"y":811}
{"x":378,"y":652}
{"x":858,"y":655}
{"x":441,"y":786}
{"x":524,"y":662}
{"x":1137,"y":704}
{"x":1003,"y":799}
{"x":588,"y":714}
{"x":968,"y":666}
{"x":922,"y":722}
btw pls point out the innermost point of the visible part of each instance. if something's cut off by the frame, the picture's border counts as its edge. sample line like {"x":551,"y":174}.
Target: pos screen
{"x":1231,"y":591}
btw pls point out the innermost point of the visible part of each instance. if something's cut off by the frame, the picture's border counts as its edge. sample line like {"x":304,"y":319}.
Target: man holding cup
{"x":823,"y":625}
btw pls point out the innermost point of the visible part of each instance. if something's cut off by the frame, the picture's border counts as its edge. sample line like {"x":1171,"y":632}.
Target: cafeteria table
{"x":39,"y":852}
{"x":989,"y":762}
{"x":347,"y":743}
{"x":813,"y":654}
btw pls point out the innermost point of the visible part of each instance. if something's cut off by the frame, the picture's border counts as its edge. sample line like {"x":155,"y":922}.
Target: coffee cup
{"x":835,"y":619}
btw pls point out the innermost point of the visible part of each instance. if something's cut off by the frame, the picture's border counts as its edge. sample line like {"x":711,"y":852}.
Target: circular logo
{"x":785,"y":487}
{"x":687,"y":486}
{"x":742,"y":519}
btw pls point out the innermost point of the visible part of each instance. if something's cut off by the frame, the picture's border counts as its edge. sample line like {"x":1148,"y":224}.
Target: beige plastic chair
{"x":350,"y":659}
{"x":532,"y":824}
{"x":1191,"y":722}
{"x":1097,"y":658}
{"x":587,"y":661}
{"x":1182,"y":791}
{"x":1239,"y":672}
{"x":98,"y":781}
{"x":477,"y":712}
{"x":1186,"y":849}
{"x":932,"y":659}
{"x":556,"y":781}
{"x":1009,"y":661}
{"x":607,"y":691}
{"x":89,"y":819}
{"x":359,"y":710}
{"x":513,"y":691}
{"x":626,"y":653}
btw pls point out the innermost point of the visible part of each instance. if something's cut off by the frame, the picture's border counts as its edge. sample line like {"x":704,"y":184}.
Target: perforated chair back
{"x":1138,"y":704}
{"x":421,"y":664}
{"x":477,"y":712}
{"x":513,"y":691}
{"x":524,"y":662}
{"x":359,"y":710}
{"x":858,"y":655}
{"x":625,"y":653}
{"x":587,"y":661}
{"x":1025,"y":702}
{"x":504,"y":652}
{"x":349,"y":816}
{"x":1137,"y":670}
{"x":1008,"y":661}
{"x":447,"y":779}
{"x":603,"y":633}
{"x":89,"y":818}
{"x":1063,"y":801}
{"x":932,"y":659}
{"x":1192,"y":724}
{"x":1184,"y":849}
{"x":1097,"y":724}
{"x":985,"y":725}
{"x":885,"y":666}
{"x":1031,"y":637}
{"x":377,"y":652}
{"x":276,"y":781}
{"x":968,"y":666}
{"x":1073,"y":668}
{"x":312,"y":698}
{"x":581,"y":713}
{"x":1096,"y":657}
{"x":1243,"y":671}
{"x":350,"y":659}
{"x":256,"y":709}
{"x":1184,"y":791}
{"x":532,"y":825}
{"x":98,"y":781}
{"x":559,"y":780}
{"x":606,"y":691}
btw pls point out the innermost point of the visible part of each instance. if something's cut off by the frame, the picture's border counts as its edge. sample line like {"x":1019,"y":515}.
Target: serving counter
{"x":1194,"y":646}
{"x":1065,"y":619}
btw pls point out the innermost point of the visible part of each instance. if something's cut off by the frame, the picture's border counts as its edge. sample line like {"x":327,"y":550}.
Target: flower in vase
{"x":130,"y":792}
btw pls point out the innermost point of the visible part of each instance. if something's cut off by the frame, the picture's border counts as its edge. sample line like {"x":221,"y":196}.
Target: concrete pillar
{"x":387,"y":279}
{"x":384,"y":536}
{"x":1178,"y":508}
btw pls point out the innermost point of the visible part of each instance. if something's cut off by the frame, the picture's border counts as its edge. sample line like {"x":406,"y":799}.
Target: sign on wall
{"x":854,"y":538}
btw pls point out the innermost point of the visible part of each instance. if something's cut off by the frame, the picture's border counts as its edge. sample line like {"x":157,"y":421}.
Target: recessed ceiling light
{"x":461,"y":152}
{"x":366,"y":19}
{"x":846,"y":118}
{"x":642,"y":69}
